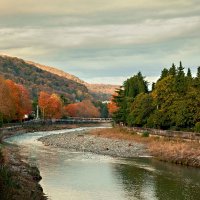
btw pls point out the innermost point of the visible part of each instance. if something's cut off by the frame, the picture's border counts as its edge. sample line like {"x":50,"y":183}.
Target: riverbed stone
{"x":89,"y":143}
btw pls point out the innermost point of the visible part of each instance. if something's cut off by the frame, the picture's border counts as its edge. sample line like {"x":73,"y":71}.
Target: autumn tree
{"x":21,"y":100}
{"x":50,"y":105}
{"x":15,"y":102}
{"x":43,"y":102}
{"x":6,"y":104}
{"x":112,"y":107}
{"x":55,"y":110}
{"x":82,"y":109}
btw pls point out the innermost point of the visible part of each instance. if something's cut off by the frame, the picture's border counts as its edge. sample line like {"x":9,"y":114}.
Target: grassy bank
{"x":175,"y":151}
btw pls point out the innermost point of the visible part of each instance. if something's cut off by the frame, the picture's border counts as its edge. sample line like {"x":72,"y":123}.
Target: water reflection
{"x":167,"y":181}
{"x":85,"y":176}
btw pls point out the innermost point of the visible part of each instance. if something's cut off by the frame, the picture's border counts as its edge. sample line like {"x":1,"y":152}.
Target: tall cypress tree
{"x":120,"y":100}
{"x":189,"y":74}
{"x":198,"y":72}
{"x":164,"y":73}
{"x":172,"y":70}
{"x":153,"y":86}
{"x":180,"y":81}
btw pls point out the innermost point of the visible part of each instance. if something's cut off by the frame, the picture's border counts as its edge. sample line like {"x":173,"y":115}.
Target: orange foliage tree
{"x":82,"y":109}
{"x":112,"y":107}
{"x":6,"y":105}
{"x":50,"y":105}
{"x":21,"y":100}
{"x":15,"y":102}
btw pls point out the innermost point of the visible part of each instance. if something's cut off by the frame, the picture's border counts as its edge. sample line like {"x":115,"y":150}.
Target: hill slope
{"x":58,"y":72}
{"x":99,"y":91}
{"x":35,"y":79}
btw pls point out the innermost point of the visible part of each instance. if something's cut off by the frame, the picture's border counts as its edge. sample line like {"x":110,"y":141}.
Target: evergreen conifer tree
{"x":172,"y":70}
{"x":198,"y":72}
{"x":189,"y":74}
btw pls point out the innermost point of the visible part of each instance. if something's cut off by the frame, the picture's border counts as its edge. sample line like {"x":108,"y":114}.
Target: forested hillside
{"x":101,"y":92}
{"x":173,"y":102}
{"x":36,"y":80}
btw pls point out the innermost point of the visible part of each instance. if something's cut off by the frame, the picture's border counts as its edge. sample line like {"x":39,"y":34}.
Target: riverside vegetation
{"x":175,"y":151}
{"x":172,"y":103}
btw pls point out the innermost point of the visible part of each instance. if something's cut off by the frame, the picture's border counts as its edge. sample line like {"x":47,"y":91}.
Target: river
{"x":85,"y":176}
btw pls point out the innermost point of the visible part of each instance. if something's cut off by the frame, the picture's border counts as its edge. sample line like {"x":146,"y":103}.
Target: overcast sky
{"x":103,"y":40}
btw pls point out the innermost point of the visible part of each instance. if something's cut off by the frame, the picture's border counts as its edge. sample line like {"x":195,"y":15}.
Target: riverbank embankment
{"x":18,"y":180}
{"x":122,"y":143}
{"x":168,"y":149}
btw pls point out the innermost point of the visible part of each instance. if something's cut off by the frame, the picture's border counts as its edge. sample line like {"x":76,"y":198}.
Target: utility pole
{"x":37,"y":113}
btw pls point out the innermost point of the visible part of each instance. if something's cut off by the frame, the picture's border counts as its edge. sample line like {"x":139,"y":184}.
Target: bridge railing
{"x":70,"y":120}
{"x":83,"y":120}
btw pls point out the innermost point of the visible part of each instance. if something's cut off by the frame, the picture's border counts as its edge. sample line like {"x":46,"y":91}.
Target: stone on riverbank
{"x":83,"y":142}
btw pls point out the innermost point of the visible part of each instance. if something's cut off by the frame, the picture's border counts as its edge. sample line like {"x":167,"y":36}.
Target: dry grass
{"x":179,"y":152}
{"x":122,"y":134}
{"x":176,"y":151}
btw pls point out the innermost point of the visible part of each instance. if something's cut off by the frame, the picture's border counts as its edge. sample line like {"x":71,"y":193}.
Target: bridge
{"x":86,"y":120}
{"x":83,"y":120}
{"x":70,"y":120}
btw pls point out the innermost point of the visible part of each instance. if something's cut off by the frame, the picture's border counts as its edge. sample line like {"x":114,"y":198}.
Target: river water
{"x":86,"y":176}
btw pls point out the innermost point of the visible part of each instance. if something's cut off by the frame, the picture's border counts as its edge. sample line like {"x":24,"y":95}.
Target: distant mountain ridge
{"x":56,"y":71}
{"x":37,"y":77}
{"x":102,"y":91}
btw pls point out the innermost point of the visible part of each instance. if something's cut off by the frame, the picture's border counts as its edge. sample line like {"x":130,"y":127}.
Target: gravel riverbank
{"x":81,"y":141}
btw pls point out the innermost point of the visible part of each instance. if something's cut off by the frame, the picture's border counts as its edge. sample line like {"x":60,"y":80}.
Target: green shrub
{"x":6,"y":176}
{"x":1,"y":157}
{"x":145,"y":134}
{"x":197,"y":127}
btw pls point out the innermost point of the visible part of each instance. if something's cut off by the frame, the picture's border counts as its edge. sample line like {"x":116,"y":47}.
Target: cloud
{"x":90,"y":6}
{"x":101,"y":39}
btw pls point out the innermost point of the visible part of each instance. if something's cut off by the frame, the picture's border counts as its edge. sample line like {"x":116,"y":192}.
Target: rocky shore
{"x":81,"y":141}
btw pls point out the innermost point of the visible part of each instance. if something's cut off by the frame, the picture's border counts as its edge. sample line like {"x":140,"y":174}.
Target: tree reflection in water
{"x":151,"y":179}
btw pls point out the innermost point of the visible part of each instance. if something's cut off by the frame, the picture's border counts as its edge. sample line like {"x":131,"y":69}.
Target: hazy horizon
{"x":103,"y":41}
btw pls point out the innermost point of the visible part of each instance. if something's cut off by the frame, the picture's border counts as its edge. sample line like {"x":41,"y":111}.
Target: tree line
{"x":16,"y":105}
{"x":53,"y":106}
{"x":172,"y":103}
